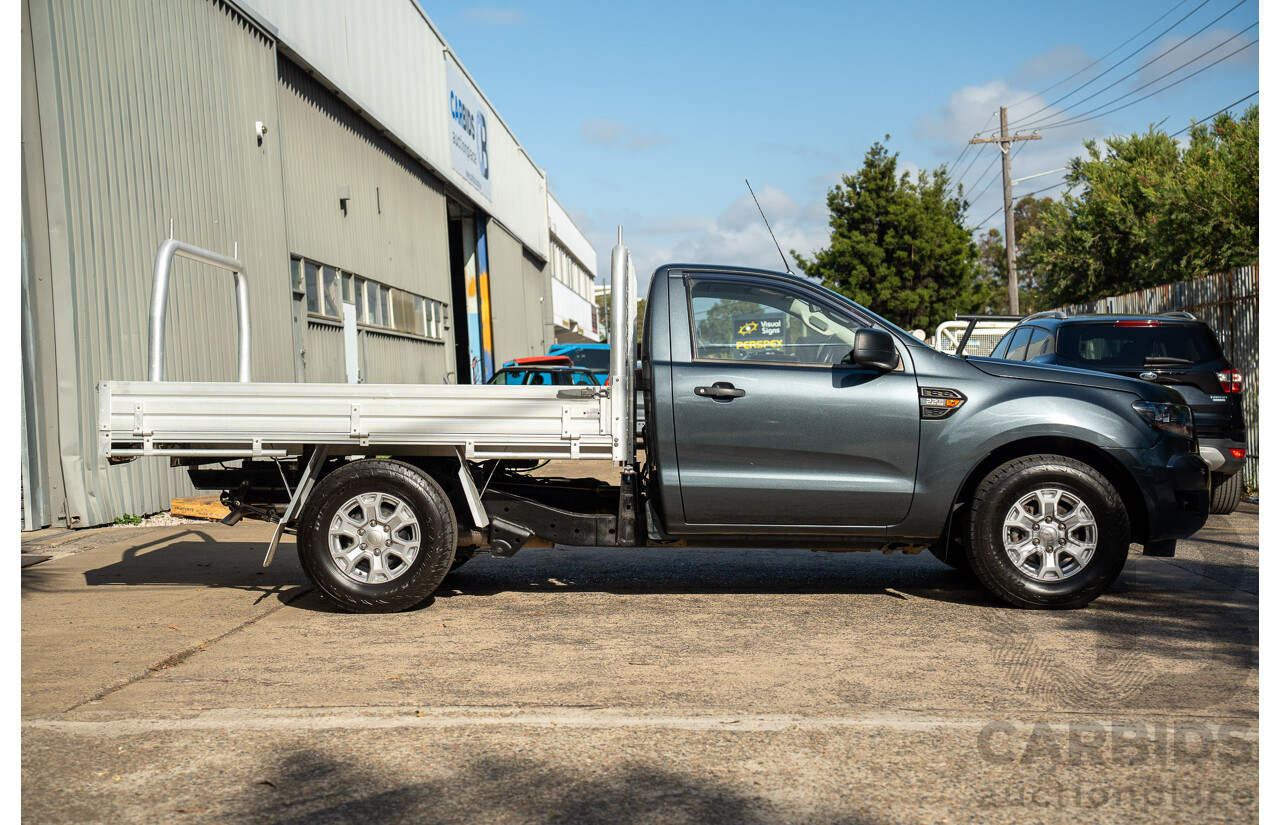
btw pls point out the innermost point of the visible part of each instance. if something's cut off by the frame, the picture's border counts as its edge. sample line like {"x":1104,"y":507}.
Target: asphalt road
{"x":167,"y":677}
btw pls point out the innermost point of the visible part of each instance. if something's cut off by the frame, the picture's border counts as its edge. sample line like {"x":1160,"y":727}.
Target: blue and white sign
{"x":468,"y":131}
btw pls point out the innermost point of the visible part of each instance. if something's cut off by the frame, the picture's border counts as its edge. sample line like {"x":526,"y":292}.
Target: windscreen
{"x":1107,"y":346}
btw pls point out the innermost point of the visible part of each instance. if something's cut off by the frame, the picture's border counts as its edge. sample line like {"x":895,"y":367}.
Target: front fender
{"x":999,"y":412}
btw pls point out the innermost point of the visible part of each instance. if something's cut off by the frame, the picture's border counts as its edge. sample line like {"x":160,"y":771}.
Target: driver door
{"x":773,"y":432}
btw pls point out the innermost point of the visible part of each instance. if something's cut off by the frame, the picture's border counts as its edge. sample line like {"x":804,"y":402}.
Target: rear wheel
{"x":377,"y":536}
{"x":1047,"y":531}
{"x":1225,"y":493}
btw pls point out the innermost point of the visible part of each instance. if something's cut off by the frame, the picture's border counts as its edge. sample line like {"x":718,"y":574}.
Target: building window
{"x":377,"y":305}
{"x":566,"y":269}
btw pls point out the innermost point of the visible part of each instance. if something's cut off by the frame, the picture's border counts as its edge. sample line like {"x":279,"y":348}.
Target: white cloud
{"x":1180,"y":53}
{"x":911,"y":169}
{"x":973,"y":109}
{"x":968,"y":110}
{"x":1058,"y":60}
{"x":735,"y":236}
{"x":607,"y":132}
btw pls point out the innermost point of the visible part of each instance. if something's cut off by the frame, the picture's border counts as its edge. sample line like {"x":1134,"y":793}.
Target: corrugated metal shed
{"x":394,"y":226}
{"x":140,"y":115}
{"x":136,"y":132}
{"x":516,"y":301}
{"x":389,"y":60}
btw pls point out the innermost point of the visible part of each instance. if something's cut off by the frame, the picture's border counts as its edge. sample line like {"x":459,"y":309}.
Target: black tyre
{"x":1224,"y":496}
{"x":377,"y":536}
{"x":1047,"y":531}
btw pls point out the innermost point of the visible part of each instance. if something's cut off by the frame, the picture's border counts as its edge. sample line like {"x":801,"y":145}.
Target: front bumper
{"x":1175,"y":489}
{"x":1216,"y":452}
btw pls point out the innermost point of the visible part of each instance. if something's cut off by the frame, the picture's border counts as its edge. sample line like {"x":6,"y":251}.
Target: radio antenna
{"x":770,"y":228}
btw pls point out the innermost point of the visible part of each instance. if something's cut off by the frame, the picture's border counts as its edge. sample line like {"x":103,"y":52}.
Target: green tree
{"x":1151,"y":212}
{"x":1027,"y":213}
{"x":899,"y":246}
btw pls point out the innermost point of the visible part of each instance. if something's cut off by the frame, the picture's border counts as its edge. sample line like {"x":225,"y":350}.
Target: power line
{"x":1215,"y":114}
{"x":1150,"y":62}
{"x":1028,"y":195}
{"x":1155,"y":80}
{"x":985,"y":172}
{"x":1081,"y":119}
{"x":976,"y":155}
{"x":1175,"y":134}
{"x":1007,"y":151}
{"x":1099,"y":60}
{"x":1117,"y":65}
{"x":955,"y":181}
{"x":1019,"y":148}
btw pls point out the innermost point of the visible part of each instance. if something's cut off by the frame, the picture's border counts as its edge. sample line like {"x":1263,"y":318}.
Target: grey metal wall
{"x":325,"y":356}
{"x":137,"y":113}
{"x":42,"y":485}
{"x":1227,"y":302}
{"x":390,"y":60}
{"x":539,"y":306}
{"x":517,"y":298}
{"x":146,"y":114}
{"x":394,"y":229}
{"x":391,"y":359}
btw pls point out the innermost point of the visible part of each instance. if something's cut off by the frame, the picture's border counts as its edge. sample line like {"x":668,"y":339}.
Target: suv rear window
{"x":1110,"y":346}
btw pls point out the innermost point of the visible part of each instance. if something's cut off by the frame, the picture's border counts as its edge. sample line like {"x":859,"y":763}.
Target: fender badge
{"x":1147,"y":376}
{"x":937,"y":402}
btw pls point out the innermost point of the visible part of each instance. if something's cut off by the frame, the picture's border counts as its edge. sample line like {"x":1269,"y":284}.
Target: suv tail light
{"x":1139,"y":323}
{"x":1231,"y":381}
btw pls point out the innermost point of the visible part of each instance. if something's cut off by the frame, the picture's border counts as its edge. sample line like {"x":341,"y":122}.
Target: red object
{"x":1143,"y":323}
{"x":541,"y":361}
{"x":1231,"y":381}
{"x":1237,"y":452}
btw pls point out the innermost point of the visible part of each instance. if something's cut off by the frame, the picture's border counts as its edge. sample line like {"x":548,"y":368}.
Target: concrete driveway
{"x":167,"y":677}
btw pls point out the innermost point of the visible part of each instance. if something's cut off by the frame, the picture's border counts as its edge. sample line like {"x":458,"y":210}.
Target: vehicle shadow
{"x":705,"y":571}
{"x":192,"y":558}
{"x":310,"y":786}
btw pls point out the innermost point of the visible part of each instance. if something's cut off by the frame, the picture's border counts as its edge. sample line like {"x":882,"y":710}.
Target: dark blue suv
{"x":1173,"y":349}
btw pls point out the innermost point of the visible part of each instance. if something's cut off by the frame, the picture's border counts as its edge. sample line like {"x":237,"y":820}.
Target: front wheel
{"x":377,"y":536}
{"x":1047,"y":531}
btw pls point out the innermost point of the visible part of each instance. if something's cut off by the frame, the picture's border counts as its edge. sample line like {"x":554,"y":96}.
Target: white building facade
{"x":573,"y":279}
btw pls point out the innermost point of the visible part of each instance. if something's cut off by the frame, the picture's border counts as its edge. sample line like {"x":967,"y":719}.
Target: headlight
{"x":1174,"y":419}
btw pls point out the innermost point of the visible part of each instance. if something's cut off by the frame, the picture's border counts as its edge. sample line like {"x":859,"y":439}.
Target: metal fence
{"x":1227,"y":302}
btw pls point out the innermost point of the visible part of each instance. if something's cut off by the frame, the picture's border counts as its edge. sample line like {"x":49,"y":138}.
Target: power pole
{"x":1006,"y":142}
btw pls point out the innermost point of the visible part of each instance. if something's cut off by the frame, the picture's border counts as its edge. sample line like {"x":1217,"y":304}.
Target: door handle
{"x":720,"y":390}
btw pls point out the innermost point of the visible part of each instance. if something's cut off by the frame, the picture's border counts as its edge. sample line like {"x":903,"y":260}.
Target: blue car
{"x":594,"y":357}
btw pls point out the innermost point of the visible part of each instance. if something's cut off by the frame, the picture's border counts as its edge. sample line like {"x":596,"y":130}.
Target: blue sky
{"x":650,"y":115}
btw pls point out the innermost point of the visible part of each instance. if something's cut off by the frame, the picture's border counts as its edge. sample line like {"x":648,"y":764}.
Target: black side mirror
{"x":874,"y":348}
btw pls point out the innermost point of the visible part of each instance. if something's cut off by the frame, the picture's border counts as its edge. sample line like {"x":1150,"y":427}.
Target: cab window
{"x":768,"y":323}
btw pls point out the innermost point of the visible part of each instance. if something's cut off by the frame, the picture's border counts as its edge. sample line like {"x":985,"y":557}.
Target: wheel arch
{"x":1097,"y":458}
